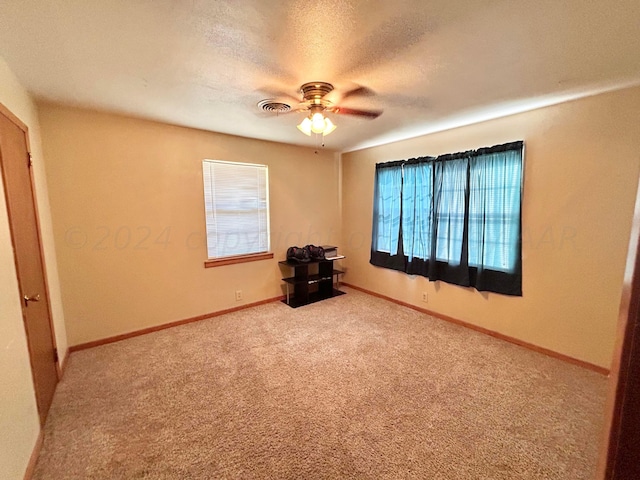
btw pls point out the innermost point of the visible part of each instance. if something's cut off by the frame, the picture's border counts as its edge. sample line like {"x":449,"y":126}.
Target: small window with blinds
{"x":236,"y":199}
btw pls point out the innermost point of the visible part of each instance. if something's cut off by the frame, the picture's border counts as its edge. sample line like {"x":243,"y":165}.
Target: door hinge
{"x":29,"y":160}
{"x":55,"y":355}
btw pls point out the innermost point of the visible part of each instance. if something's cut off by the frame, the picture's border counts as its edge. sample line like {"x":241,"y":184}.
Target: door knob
{"x":32,"y":298}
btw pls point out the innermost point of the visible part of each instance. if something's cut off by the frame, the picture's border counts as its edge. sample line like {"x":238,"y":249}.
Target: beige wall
{"x":19,"y":422}
{"x":119,"y":183}
{"x":581,"y":171}
{"x":128,"y":215}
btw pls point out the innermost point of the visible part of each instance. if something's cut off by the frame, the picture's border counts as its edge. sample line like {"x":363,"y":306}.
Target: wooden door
{"x":25,"y":235}
{"x":620,"y":452}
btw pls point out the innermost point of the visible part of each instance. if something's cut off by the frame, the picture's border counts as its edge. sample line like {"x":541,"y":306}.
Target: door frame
{"x":34,"y":198}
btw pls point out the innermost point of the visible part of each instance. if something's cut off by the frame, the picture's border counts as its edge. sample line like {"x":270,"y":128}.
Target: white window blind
{"x":236,"y":199}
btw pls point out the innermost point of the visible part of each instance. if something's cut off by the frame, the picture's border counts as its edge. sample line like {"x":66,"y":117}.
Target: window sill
{"x":254,"y":257}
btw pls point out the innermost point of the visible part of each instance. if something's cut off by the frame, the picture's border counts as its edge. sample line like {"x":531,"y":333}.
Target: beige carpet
{"x":351,"y":387}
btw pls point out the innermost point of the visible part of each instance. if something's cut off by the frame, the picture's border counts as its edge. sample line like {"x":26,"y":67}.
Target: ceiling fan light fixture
{"x":328,"y":127}
{"x":316,"y":123}
{"x":305,"y":126}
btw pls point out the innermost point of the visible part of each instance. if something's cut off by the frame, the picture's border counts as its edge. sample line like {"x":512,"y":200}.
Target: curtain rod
{"x":517,"y":145}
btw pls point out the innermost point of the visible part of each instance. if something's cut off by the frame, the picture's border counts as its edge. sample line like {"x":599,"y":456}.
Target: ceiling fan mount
{"x":313,"y":93}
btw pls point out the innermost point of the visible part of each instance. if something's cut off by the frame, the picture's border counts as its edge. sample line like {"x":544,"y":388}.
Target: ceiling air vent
{"x":270,"y":105}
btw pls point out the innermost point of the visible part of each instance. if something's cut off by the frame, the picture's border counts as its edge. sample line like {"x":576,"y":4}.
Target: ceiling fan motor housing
{"x":314,"y":91}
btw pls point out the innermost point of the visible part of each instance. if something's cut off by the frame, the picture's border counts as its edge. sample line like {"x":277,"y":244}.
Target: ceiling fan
{"x":317,"y":106}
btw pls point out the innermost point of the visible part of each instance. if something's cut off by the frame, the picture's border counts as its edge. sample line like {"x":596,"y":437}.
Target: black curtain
{"x":455,"y":218}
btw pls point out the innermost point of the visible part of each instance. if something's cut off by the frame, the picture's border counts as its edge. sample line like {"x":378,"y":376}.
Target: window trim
{"x":252,"y":257}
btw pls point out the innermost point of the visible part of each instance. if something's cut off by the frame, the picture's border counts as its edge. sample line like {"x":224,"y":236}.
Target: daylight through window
{"x":455,"y":218}
{"x":236,"y":199}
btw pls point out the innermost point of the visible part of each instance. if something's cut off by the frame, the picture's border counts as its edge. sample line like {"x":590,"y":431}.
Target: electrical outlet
{"x":425,"y":299}
{"x":238,"y":295}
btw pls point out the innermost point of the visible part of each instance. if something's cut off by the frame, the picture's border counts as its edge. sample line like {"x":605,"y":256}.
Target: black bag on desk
{"x":316,"y":253}
{"x":297,"y":254}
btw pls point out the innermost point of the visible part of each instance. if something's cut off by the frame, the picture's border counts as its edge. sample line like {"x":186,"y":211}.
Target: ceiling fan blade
{"x":359,"y":91}
{"x":359,"y":113}
{"x":275,"y":93}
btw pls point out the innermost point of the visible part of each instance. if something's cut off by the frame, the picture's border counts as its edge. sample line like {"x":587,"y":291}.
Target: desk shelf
{"x":305,"y":280}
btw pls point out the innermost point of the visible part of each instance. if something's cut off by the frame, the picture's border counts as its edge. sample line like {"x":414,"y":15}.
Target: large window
{"x":236,"y":198}
{"x":454,"y":218}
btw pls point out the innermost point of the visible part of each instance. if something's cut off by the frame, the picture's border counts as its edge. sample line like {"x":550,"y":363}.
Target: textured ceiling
{"x":431,"y":64}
